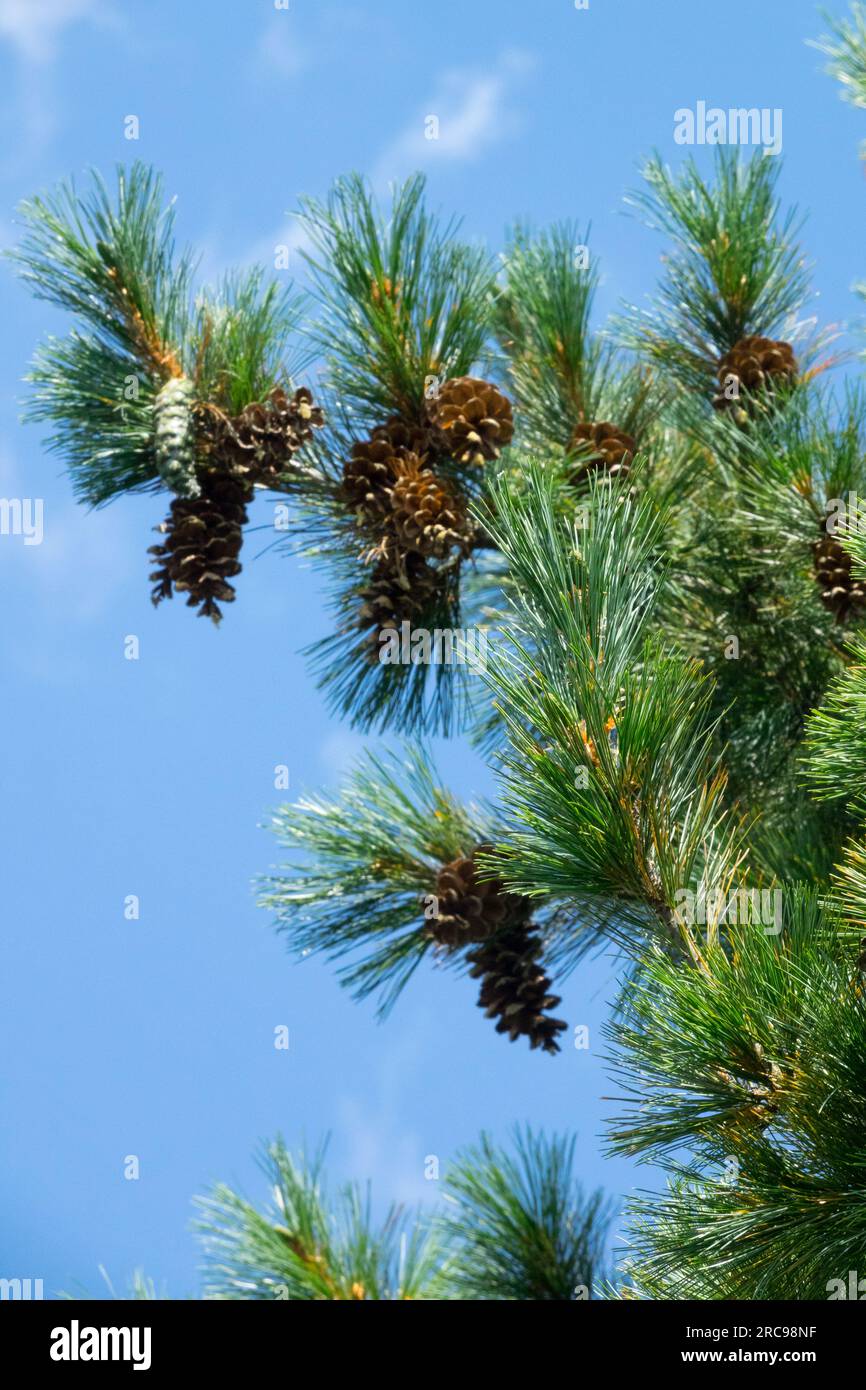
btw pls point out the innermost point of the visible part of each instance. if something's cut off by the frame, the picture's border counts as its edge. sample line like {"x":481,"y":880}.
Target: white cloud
{"x":280,"y":49}
{"x":467,"y":115}
{"x":340,"y":751}
{"x":290,"y":237}
{"x":287,"y":242}
{"x":33,"y":29}
{"x":34,"y":26}
{"x":379,"y":1148}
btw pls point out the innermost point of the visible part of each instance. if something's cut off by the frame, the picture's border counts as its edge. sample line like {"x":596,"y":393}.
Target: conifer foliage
{"x":155,"y":390}
{"x":675,"y":709}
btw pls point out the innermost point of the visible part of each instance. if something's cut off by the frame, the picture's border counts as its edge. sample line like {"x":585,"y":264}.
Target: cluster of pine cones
{"x":214,"y":462}
{"x":413,"y":517}
{"x":505,"y":951}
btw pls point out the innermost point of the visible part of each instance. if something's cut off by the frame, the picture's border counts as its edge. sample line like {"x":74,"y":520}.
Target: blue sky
{"x":155,"y":1037}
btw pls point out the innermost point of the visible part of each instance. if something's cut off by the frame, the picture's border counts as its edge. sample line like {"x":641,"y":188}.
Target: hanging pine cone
{"x":373,"y":466}
{"x":400,"y":590}
{"x":426,"y":513}
{"x":367,"y":476}
{"x":473,"y":418}
{"x":469,"y":909}
{"x":203,"y":538}
{"x":514,"y":987}
{"x":841,"y":592}
{"x":603,"y":448}
{"x":260,"y":442}
{"x":405,"y":437}
{"x":754,"y":366}
{"x":175,"y":436}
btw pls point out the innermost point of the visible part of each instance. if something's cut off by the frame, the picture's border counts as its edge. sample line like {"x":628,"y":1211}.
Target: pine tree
{"x":660,"y":521}
{"x":670,"y":696}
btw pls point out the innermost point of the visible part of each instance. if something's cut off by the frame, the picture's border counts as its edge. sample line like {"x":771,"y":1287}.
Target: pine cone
{"x":514,"y":986}
{"x":471,"y":910}
{"x":400,"y":590}
{"x":426,"y":513}
{"x":757,"y":365}
{"x":841,"y":592}
{"x":473,"y":418}
{"x":602,"y":447}
{"x":175,"y":436}
{"x":367,"y":476}
{"x":203,"y":538}
{"x":371,"y":470}
{"x":405,"y":437}
{"x":260,"y":442}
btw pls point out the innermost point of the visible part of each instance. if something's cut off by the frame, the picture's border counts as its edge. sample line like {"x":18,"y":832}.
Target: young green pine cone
{"x":175,"y":436}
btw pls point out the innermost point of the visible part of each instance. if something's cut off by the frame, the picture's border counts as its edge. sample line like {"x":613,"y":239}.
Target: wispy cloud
{"x":378,"y":1147}
{"x":340,"y":751}
{"x":467,"y":114}
{"x":33,"y":29}
{"x":34,"y":26}
{"x":280,"y":50}
{"x":279,"y":252}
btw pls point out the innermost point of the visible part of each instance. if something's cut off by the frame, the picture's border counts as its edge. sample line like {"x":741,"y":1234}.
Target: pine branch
{"x":754,"y":600}
{"x":516,"y":1225}
{"x":111,"y":265}
{"x":755,"y":1061}
{"x":519,"y":1226}
{"x":560,"y":372}
{"x":371,"y":860}
{"x":403,"y":302}
{"x":109,"y":258}
{"x":406,"y":695}
{"x":303,"y":1247}
{"x":612,"y":777}
{"x":733,"y":268}
{"x":845,"y":46}
{"x":404,"y":317}
{"x":836,"y":735}
{"x":239,"y":340}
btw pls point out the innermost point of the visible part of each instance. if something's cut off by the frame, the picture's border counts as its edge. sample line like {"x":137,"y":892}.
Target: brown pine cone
{"x":260,"y":442}
{"x":473,"y":418}
{"x":400,"y":590}
{"x":514,"y":988}
{"x":405,"y":437}
{"x":368,"y":476}
{"x":372,"y":468}
{"x":426,"y":513}
{"x":470,"y":909}
{"x":203,"y":539}
{"x":841,"y":592}
{"x":602,"y":447}
{"x":757,"y":365}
